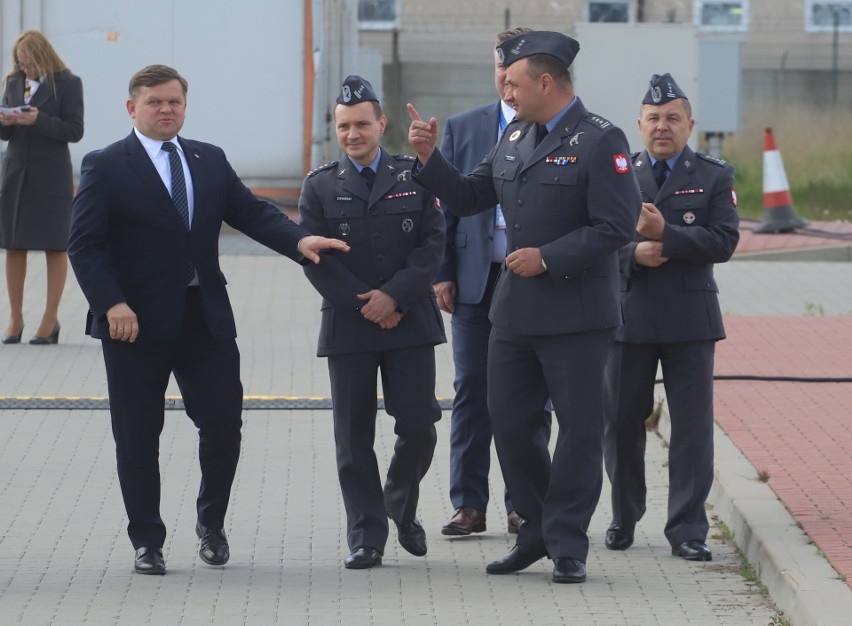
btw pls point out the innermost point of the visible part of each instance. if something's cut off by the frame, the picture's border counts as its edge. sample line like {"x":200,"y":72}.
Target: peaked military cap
{"x":538,"y":42}
{"x":356,"y":90}
{"x":663,"y":89}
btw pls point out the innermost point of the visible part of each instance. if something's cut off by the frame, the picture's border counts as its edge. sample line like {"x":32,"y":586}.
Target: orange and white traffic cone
{"x":779,"y":216}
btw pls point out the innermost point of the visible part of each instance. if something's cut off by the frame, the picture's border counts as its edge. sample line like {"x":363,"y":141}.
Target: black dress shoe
{"x":514,"y":523}
{"x":8,"y":339}
{"x":412,"y":537}
{"x":693,"y":550}
{"x":515,"y":560}
{"x":568,"y":570}
{"x":618,"y":537}
{"x":214,"y":549}
{"x":363,"y":558}
{"x":52,"y":338}
{"x":466,"y":520}
{"x":149,"y":560}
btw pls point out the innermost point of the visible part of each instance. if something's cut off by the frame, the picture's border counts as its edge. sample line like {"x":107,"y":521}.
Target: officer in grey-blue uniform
{"x":565,"y":182}
{"x":672,"y":318}
{"x":379,"y":314}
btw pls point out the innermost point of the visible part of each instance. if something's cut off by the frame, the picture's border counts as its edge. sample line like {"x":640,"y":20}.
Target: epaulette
{"x":712,"y":159}
{"x":322,"y":168}
{"x":403,"y":157}
{"x":597,"y":121}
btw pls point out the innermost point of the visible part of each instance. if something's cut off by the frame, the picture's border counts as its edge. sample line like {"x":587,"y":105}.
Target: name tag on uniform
{"x":344,"y":198}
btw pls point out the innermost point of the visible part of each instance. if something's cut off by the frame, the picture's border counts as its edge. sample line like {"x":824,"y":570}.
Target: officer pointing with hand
{"x":564,"y":180}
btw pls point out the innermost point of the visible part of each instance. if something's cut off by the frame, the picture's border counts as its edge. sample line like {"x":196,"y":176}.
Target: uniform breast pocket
{"x":505,"y":170}
{"x":556,"y":187}
{"x":343,"y":217}
{"x":687,"y":211}
{"x":405,"y":212}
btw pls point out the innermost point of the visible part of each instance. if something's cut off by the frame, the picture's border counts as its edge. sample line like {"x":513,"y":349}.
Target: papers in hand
{"x":11,"y":110}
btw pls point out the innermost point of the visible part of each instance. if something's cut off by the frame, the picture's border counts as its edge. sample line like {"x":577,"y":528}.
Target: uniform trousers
{"x":557,"y":497}
{"x":688,"y":380}
{"x":207,"y":371}
{"x":408,"y":384}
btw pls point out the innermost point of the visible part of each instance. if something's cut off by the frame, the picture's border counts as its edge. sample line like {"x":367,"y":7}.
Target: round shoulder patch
{"x":321,"y":168}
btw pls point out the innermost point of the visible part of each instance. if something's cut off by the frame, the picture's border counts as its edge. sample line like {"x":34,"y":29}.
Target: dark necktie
{"x":370,"y":176}
{"x":179,"y":198}
{"x":540,"y":133}
{"x":660,"y":168}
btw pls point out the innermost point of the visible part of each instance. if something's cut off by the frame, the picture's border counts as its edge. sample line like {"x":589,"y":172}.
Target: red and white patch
{"x":734,"y":197}
{"x":622,"y":165}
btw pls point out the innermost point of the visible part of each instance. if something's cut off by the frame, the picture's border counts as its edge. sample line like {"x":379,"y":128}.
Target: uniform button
{"x":382,"y":279}
{"x":380,"y":257}
{"x":556,"y":178}
{"x":517,"y":227}
{"x":523,"y":179}
{"x":343,"y":213}
{"x":376,"y":235}
{"x":520,"y":202}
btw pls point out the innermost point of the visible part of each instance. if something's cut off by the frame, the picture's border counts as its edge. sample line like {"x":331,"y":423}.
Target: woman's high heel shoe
{"x":52,"y":338}
{"x":13,"y":338}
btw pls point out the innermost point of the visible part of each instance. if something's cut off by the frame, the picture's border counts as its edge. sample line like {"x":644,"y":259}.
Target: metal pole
{"x":507,"y":18}
{"x":834,"y":46}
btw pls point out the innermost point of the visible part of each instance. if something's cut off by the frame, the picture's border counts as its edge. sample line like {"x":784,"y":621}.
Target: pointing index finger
{"x":412,"y":113}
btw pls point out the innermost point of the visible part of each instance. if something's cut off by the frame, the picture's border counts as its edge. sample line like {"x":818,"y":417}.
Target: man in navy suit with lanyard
{"x":475,"y":249}
{"x":144,"y":246}
{"x":671,"y":317}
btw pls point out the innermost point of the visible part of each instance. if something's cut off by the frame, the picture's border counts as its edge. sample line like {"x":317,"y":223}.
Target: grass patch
{"x":817,"y":158}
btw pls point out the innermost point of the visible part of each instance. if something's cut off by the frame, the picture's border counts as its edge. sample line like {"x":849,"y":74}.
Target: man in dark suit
{"x":564,"y":180}
{"x":474,"y":251}
{"x":144,"y":246}
{"x":672,"y":318}
{"x":378,"y":315}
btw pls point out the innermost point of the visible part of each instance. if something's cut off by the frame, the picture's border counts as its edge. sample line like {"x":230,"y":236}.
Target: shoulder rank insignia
{"x":321,"y":168}
{"x":403,"y":157}
{"x":711,"y":159}
{"x":597,"y":120}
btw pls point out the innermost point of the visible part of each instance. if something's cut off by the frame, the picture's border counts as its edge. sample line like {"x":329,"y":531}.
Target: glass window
{"x":378,"y":14}
{"x":608,"y":11}
{"x":820,"y":16}
{"x":720,"y":15}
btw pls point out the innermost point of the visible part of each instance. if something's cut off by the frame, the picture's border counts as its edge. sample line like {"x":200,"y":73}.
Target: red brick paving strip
{"x":800,"y":433}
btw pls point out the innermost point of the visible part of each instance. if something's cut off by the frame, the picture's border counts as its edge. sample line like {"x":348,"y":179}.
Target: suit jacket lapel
{"x":645,"y":176}
{"x":679,"y":177}
{"x":563,"y":128}
{"x":351,"y":180}
{"x":140,"y":163}
{"x":385,"y":177}
{"x":45,"y":90}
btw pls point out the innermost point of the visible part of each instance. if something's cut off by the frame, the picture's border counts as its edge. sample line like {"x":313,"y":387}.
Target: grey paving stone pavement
{"x":65,"y":557}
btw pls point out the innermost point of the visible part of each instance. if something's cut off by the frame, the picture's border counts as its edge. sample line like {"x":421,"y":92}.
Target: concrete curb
{"x":800,"y":581}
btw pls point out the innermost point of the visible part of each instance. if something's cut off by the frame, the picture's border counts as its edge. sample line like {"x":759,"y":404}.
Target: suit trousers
{"x":207,"y":371}
{"x":557,"y":497}
{"x":470,"y":426}
{"x":408,"y":383}
{"x":688,"y":380}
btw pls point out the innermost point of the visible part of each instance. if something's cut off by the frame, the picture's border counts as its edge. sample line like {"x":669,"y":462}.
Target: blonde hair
{"x":39,"y":52}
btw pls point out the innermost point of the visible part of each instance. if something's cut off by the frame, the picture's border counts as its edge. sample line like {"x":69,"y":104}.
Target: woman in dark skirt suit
{"x":37,"y":184}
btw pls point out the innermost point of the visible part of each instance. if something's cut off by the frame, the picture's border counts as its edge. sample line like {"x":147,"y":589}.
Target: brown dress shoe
{"x":465,"y":521}
{"x":514,"y":523}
